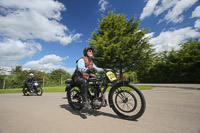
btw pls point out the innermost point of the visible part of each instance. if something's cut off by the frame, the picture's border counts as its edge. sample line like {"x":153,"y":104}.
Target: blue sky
{"x":47,"y":35}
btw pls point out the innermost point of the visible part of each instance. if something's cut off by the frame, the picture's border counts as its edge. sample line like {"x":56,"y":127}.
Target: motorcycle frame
{"x":114,"y":85}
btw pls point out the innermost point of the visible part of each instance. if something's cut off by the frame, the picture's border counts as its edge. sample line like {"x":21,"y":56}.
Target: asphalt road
{"x":169,"y":110}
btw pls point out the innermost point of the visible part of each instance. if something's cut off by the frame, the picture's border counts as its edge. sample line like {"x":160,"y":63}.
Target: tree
{"x":16,"y":70}
{"x":176,"y":66}
{"x":190,"y":60}
{"x":120,"y":44}
{"x":58,"y":76}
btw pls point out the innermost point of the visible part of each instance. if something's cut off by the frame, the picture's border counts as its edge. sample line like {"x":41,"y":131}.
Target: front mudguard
{"x":114,"y":87}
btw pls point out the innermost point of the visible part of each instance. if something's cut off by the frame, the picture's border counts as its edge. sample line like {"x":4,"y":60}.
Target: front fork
{"x":115,"y":88}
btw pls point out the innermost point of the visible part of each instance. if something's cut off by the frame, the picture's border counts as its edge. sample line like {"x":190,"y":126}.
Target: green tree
{"x":120,"y":44}
{"x":57,"y":77}
{"x":176,"y":66}
{"x":17,"y":69}
{"x":190,"y":60}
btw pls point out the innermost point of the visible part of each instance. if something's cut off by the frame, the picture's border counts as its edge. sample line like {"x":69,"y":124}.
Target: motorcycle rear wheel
{"x":127,"y":101}
{"x":24,"y":90}
{"x":74,"y":98}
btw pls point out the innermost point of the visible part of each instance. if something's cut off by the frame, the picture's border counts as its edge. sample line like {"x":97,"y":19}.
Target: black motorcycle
{"x":126,"y":100}
{"x":35,"y":88}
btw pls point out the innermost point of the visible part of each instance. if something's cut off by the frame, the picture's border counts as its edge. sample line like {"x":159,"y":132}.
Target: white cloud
{"x":5,"y":70}
{"x":48,"y":63}
{"x":171,"y":39}
{"x":48,"y":8}
{"x":148,"y":9}
{"x":175,"y":15}
{"x":34,"y":19}
{"x":103,"y":5}
{"x":197,"y":24}
{"x":165,"y":5}
{"x":22,"y":22}
{"x":13,"y":50}
{"x":70,"y":70}
{"x":196,"y":12}
{"x":174,"y":8}
{"x":149,"y":35}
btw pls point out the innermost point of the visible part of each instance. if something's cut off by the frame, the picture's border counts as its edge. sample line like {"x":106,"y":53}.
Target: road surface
{"x":169,"y":110}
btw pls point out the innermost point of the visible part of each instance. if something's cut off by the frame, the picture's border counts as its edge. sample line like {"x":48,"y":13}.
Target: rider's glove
{"x":92,"y":70}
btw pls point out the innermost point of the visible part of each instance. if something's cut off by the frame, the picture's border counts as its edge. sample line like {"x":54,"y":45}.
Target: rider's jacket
{"x":81,"y":72}
{"x":88,"y":64}
{"x":29,"y":80}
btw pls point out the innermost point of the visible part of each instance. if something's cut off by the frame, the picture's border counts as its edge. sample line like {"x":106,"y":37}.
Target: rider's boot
{"x":86,"y":100}
{"x":28,"y":93}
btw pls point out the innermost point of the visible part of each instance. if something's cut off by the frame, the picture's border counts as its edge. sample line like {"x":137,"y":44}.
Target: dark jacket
{"x":29,"y":80}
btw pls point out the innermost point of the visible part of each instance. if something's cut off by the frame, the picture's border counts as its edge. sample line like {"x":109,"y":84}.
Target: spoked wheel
{"x":127,"y":102}
{"x":39,"y":91}
{"x":25,"y":91}
{"x":74,"y":98}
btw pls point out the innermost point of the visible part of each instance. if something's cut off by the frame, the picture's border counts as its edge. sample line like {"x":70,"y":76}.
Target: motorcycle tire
{"x":127,"y":101}
{"x":39,"y":91}
{"x":74,"y":98}
{"x":24,"y":90}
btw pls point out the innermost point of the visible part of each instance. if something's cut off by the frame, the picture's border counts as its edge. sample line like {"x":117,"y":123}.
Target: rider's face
{"x":90,"y":53}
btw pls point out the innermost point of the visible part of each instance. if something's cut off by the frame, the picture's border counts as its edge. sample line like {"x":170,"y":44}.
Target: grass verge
{"x":56,"y":89}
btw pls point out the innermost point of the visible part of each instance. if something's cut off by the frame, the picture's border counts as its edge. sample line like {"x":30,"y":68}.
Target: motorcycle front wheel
{"x":74,"y":98}
{"x":39,"y":91}
{"x":127,"y":101}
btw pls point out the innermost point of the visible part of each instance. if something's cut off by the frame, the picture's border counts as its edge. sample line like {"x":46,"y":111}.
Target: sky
{"x":47,"y":35}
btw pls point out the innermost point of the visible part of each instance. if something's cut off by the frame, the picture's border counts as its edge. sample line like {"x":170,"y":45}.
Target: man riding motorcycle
{"x":28,"y":82}
{"x":85,"y":66}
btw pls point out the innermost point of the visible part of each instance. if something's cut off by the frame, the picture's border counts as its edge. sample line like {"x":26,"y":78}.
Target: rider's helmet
{"x":86,"y":49}
{"x":31,"y":74}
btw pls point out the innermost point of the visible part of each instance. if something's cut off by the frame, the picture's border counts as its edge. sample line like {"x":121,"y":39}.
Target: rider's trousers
{"x":83,"y":83}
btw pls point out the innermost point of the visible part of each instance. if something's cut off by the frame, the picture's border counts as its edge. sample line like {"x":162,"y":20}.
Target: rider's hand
{"x":92,"y":70}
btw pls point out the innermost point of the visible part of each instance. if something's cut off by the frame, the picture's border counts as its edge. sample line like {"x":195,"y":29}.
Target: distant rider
{"x":29,"y":82}
{"x":85,"y":66}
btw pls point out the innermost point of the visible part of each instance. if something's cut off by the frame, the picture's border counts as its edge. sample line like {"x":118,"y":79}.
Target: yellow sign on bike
{"x":111,"y":76}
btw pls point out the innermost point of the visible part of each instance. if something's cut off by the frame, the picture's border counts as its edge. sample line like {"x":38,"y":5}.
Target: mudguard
{"x":69,"y":84}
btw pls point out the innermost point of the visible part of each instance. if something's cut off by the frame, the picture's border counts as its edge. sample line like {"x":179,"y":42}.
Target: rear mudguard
{"x":69,"y":86}
{"x":114,"y":87}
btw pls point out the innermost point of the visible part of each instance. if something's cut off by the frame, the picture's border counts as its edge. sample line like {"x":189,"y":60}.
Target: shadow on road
{"x":84,"y":112}
{"x":32,"y":94}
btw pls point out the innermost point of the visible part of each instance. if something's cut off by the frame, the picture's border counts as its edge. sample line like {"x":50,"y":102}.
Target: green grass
{"x":56,"y":89}
{"x":17,"y":90}
{"x":45,"y":89}
{"x":144,"y":87}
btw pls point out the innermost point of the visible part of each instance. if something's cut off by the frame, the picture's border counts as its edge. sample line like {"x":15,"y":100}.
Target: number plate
{"x":111,"y":76}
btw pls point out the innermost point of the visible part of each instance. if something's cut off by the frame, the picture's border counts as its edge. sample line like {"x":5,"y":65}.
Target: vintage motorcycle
{"x":35,"y":88}
{"x":126,"y":100}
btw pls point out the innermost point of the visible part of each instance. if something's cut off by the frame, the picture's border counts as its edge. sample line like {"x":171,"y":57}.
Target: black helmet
{"x":86,"y":49}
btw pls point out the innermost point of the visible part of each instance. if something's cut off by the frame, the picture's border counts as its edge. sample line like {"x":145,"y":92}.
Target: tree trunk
{"x":61,"y":78}
{"x":4,"y":82}
{"x":43,"y":80}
